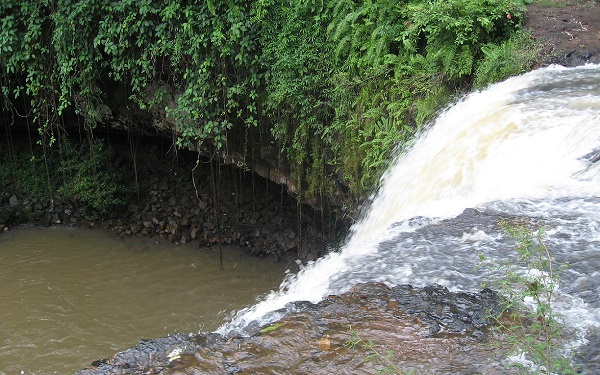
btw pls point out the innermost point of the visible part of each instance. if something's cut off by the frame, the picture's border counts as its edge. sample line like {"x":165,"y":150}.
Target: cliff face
{"x":247,"y":149}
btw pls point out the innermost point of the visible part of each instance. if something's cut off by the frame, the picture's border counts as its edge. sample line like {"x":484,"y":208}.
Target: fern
{"x":509,"y":58}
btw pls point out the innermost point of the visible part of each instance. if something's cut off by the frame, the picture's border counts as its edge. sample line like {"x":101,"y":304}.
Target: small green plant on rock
{"x":528,"y":321}
{"x":374,"y":355}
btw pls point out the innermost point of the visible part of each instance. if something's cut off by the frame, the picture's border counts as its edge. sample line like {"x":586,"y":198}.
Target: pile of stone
{"x":253,"y":214}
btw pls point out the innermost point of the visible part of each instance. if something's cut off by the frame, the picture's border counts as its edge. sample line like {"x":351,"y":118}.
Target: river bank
{"x":180,"y":202}
{"x":568,"y":30}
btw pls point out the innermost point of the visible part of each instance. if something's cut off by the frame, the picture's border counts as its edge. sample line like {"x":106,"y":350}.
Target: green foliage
{"x":533,"y":329}
{"x":501,"y":61}
{"x":271,"y":328}
{"x":400,"y":62}
{"x":206,"y":51}
{"x":297,"y":85}
{"x":336,"y":85}
{"x":85,"y":176}
{"x":92,"y":181}
{"x":374,"y":354}
{"x":27,"y":172}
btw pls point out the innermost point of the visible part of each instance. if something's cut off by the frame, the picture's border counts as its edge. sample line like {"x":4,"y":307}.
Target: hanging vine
{"x":335,"y":85}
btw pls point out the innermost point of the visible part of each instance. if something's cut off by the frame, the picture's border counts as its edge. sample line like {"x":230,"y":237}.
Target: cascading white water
{"x":524,"y":147}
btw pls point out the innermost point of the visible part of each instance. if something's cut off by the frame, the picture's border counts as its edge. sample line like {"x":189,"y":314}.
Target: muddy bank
{"x":428,"y":330}
{"x":569,"y":31}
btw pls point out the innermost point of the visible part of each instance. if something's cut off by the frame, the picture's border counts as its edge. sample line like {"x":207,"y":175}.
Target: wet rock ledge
{"x":427,"y":330}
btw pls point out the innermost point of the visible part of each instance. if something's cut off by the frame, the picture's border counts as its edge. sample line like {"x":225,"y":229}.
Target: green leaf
{"x":271,"y":328}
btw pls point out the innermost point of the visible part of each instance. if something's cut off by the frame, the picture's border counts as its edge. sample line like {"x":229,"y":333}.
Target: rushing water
{"x":527,"y":147}
{"x":69,"y":297}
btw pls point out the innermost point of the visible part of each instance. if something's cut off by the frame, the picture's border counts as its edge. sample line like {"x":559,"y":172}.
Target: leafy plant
{"x":25,"y":173}
{"x":374,"y":354}
{"x":509,"y":58}
{"x":271,"y":328}
{"x":532,"y":327}
{"x":93,"y":181}
{"x":86,"y":176}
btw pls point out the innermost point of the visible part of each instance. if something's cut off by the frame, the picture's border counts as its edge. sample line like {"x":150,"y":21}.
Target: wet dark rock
{"x":588,"y":355}
{"x":147,"y":355}
{"x":429,"y":330}
{"x":7,"y":215}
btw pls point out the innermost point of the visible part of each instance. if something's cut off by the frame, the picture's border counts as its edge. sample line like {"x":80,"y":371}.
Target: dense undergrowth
{"x":94,"y":180}
{"x":334,"y":85}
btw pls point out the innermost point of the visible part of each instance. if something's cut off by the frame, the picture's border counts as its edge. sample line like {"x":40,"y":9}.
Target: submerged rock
{"x":428,"y":330}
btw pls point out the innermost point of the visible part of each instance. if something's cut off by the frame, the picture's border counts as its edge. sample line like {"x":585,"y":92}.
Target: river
{"x":526,"y":149}
{"x":71,"y":296}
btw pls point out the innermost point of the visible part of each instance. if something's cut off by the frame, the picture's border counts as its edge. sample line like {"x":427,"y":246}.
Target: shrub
{"x":532,"y":327}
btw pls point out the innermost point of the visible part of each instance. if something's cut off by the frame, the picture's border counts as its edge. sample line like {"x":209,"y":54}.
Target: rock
{"x":13,"y":201}
{"x":568,"y":33}
{"x":7,"y":215}
{"x":311,"y":338}
{"x":246,"y":207}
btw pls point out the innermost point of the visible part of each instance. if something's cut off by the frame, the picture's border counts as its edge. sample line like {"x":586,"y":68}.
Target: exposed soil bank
{"x":568,"y":29}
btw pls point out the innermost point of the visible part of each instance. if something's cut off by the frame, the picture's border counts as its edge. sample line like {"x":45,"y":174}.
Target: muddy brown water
{"x":71,"y":296}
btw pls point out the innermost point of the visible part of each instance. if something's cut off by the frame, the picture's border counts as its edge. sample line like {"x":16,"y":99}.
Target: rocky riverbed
{"x":426,"y":330}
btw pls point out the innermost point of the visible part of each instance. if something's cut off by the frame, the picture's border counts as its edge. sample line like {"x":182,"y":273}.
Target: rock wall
{"x":180,"y":202}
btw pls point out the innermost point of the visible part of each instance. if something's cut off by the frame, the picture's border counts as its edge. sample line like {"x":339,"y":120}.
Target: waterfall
{"x":526,"y":147}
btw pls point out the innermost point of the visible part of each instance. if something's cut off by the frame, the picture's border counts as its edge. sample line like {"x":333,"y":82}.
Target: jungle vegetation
{"x":332,"y":85}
